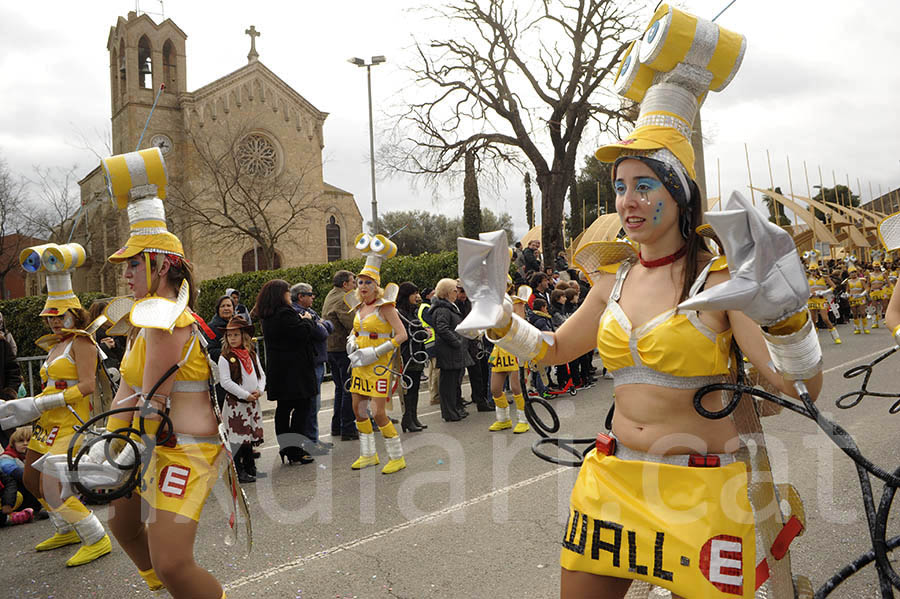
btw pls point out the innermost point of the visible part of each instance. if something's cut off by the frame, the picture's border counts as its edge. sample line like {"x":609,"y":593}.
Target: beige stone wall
{"x":250,"y":99}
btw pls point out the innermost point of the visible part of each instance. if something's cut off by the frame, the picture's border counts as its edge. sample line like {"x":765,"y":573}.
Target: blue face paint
{"x":619,"y":187}
{"x":657,"y":213}
{"x":647,"y":184}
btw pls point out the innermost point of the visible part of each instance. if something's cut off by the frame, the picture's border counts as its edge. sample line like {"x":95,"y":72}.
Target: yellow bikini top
{"x":674,"y":349}
{"x":372,"y":330}
{"x":62,"y":368}
{"x":877,"y":277}
{"x":193,"y":374}
{"x":817,"y":282}
{"x":854,"y":284}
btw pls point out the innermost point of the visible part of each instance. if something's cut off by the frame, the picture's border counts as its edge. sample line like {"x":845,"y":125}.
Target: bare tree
{"x":241,"y":192}
{"x":515,"y":82}
{"x":53,"y":205}
{"x":13,"y":234}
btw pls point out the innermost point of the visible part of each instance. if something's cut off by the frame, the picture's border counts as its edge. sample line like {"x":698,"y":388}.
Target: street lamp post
{"x":362,"y":63}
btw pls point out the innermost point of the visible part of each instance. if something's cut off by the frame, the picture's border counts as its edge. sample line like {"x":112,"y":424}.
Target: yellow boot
{"x":95,"y":541}
{"x":367,"y":455}
{"x":835,"y":336}
{"x":152,"y":580}
{"x":394,"y":449}
{"x":502,"y":414}
{"x":65,"y":534}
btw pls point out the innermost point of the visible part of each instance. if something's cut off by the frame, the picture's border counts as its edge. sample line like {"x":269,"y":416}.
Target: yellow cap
{"x":375,"y":248}
{"x":58,"y":261}
{"x":670,"y":70}
{"x":137,"y":181}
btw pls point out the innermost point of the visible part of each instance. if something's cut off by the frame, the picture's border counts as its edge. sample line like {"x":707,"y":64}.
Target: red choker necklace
{"x":664,"y":260}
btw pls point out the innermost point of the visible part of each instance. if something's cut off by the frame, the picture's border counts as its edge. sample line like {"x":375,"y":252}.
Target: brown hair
{"x":176,"y":274}
{"x":570,"y":294}
{"x":556,"y":294}
{"x":79,"y":315}
{"x":695,"y":243}
{"x":234,"y":364}
{"x":270,"y":298}
{"x":23,"y":433}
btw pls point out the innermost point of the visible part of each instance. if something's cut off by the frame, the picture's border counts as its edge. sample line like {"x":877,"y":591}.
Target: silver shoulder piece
{"x":391,"y":291}
{"x":116,"y":312}
{"x":889,"y":232}
{"x":160,"y":312}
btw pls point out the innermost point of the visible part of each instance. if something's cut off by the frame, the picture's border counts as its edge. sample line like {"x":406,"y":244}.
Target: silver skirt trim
{"x":642,"y":375}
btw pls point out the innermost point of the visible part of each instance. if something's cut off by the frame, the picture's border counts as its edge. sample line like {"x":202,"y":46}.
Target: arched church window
{"x":258,"y":156}
{"x":145,"y":64}
{"x":170,"y":77}
{"x":333,"y":239}
{"x":255,"y":259}
{"x":121,"y":67}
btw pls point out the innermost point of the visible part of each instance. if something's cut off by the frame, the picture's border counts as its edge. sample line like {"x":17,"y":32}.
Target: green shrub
{"x":424,"y":270}
{"x":22,"y":320}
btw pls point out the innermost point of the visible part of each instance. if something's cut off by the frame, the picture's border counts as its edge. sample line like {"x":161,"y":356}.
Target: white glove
{"x":352,"y":345}
{"x":94,"y":470}
{"x":17,"y":412}
{"x":768,"y":282}
{"x":483,"y":268}
{"x":369,"y":355}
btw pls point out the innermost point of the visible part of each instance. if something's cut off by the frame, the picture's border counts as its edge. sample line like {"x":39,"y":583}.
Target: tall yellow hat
{"x":137,"y":181}
{"x":58,"y":261}
{"x":376,"y":248}
{"x":669,"y":71}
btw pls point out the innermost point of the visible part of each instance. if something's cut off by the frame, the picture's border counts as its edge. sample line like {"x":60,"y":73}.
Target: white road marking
{"x":855,"y":360}
{"x":302,"y":561}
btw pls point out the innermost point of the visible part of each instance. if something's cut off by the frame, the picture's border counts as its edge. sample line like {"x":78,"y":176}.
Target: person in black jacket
{"x":224,"y":312}
{"x":10,"y":379}
{"x":290,"y":367}
{"x":413,"y":353}
{"x":450,"y":346}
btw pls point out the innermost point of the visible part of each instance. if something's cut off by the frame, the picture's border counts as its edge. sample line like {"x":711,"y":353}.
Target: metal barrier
{"x":31,"y":377}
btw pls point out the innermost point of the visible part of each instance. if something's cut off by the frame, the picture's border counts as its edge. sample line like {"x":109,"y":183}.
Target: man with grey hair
{"x":302,"y":296}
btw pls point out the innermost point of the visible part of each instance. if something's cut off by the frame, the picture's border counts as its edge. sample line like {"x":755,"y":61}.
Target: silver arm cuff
{"x":384,"y":348}
{"x":798,"y":356}
{"x":523,"y":340}
{"x":48,"y":402}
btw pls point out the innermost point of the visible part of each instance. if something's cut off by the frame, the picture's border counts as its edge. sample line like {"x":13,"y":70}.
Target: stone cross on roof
{"x":253,"y":56}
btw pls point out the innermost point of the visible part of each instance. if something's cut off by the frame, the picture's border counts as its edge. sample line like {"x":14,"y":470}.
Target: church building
{"x":243,"y":155}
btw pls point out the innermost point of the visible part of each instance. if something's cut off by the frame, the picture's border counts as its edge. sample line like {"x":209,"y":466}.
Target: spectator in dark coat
{"x":450,"y":346}
{"x":239,"y":308}
{"x":290,"y":367}
{"x":532,"y":256}
{"x":302,"y":297}
{"x":413,"y":352}
{"x":336,"y":311}
{"x":217,"y":324}
{"x":10,"y":379}
{"x":478,"y":370}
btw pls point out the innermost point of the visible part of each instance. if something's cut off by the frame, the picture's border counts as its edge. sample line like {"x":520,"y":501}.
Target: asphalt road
{"x":475,"y":514}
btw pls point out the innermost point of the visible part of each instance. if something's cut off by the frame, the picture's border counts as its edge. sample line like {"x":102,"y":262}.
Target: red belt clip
{"x":605,"y":444}
{"x":697,"y":460}
{"x":373,"y":335}
{"x":61,"y":385}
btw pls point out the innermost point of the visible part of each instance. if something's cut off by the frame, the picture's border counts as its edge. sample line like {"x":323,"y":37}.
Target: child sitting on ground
{"x":18,"y":505}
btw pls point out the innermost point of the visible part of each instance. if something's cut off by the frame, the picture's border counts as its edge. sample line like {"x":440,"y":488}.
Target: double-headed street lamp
{"x":362,"y":63}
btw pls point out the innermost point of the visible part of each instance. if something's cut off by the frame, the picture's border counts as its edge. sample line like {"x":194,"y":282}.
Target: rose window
{"x":258,"y":156}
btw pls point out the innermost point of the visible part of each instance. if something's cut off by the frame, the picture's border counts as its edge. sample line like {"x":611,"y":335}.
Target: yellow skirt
{"x":816,"y":303}
{"x":365,"y":381}
{"x":503,"y":361}
{"x":857,"y":301}
{"x":54,"y":429}
{"x":878,"y":294}
{"x":180,"y":478}
{"x":687,"y":529}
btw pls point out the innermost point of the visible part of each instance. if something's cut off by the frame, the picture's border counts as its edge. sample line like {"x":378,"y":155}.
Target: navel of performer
{"x":663,"y":338}
{"x":69,"y":379}
{"x":505,"y":366}
{"x":377,"y":332}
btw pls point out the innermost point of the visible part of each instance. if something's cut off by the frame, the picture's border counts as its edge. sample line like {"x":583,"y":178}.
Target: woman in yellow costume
{"x":665,"y":497}
{"x":878,"y":287}
{"x":820,"y":287}
{"x":377,"y":332}
{"x":857,"y":289}
{"x":165,"y":378}
{"x":505,"y":366}
{"x":69,"y":378}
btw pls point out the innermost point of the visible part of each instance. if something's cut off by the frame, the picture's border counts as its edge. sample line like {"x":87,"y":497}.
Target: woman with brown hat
{"x":244,"y":381}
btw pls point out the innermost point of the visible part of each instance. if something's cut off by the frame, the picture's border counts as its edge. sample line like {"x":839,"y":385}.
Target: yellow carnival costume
{"x":503,"y":361}
{"x":683,"y":522}
{"x":65,"y":408}
{"x":371,"y":349}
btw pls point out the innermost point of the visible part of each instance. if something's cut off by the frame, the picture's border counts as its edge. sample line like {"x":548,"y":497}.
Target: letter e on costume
{"x":173,"y":480}
{"x":720,"y":562}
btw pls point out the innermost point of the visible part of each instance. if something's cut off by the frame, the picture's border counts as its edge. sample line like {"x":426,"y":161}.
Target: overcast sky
{"x":819,"y":83}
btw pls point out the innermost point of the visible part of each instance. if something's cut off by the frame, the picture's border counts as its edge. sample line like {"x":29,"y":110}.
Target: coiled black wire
{"x":86,"y":436}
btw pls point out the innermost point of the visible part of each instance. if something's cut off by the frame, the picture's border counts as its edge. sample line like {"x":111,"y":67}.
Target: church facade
{"x":243,"y":155}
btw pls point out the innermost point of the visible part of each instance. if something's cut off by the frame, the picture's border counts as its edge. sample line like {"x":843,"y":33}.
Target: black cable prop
{"x":848,"y":400}
{"x":877,"y":519}
{"x":122,"y":436}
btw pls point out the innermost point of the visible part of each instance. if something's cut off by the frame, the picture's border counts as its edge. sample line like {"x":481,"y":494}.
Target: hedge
{"x":22,"y":320}
{"x":425,"y":270}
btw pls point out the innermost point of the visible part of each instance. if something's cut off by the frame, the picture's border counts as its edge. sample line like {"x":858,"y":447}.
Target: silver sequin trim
{"x":642,"y":375}
{"x":662,"y":120}
{"x":59,"y":282}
